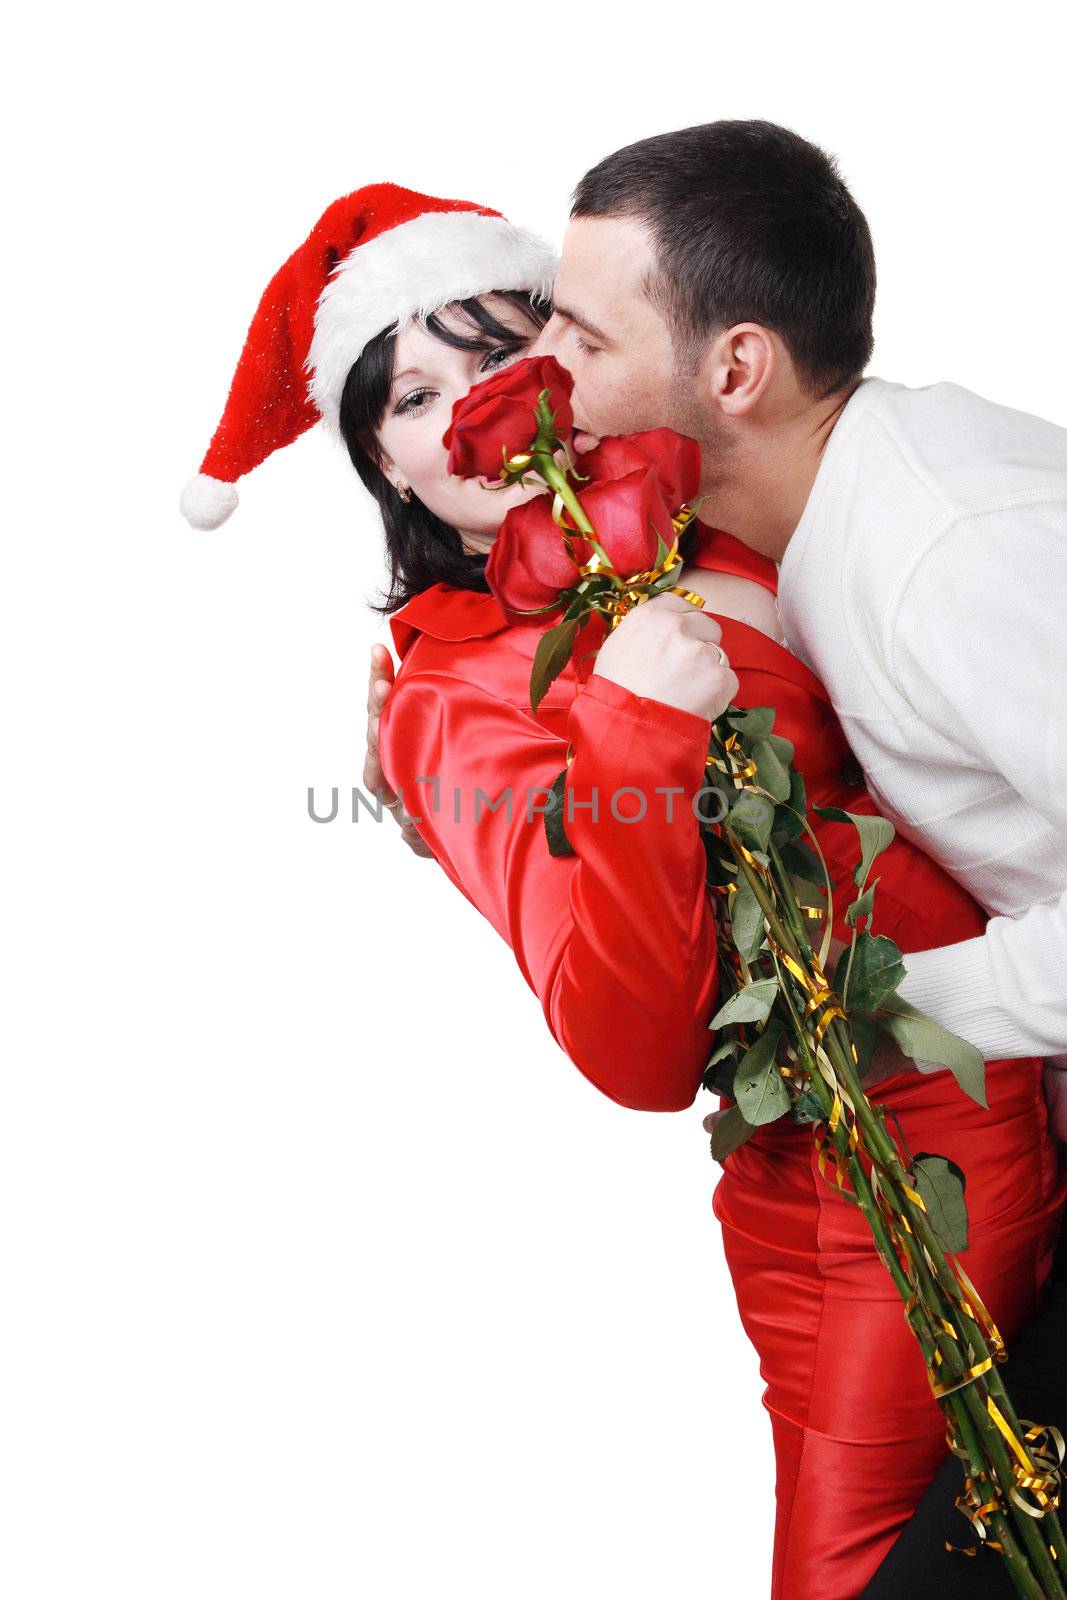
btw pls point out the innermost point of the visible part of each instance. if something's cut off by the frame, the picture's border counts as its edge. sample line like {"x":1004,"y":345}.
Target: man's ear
{"x":742,"y":365}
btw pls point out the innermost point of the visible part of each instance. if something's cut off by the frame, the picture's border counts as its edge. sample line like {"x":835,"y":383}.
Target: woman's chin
{"x":498,"y":502}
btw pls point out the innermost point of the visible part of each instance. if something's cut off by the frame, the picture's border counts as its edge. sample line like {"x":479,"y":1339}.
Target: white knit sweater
{"x":926,"y":585}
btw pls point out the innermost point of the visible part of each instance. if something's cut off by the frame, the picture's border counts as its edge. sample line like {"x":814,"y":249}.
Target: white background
{"x":324,"y":1272}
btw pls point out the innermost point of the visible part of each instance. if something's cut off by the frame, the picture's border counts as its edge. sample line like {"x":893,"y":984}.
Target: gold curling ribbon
{"x":739,"y":768}
{"x":1043,"y":1485}
{"x":619,"y":602}
{"x":977,"y":1312}
{"x":1036,"y":1473}
{"x":977,"y":1371}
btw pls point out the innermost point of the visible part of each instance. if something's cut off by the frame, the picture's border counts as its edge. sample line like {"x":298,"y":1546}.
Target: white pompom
{"x":207,"y":502}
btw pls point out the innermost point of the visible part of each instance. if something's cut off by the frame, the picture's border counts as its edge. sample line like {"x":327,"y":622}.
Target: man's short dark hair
{"x":751,"y":223}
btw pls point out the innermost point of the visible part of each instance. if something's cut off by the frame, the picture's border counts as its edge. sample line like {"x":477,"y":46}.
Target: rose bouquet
{"x":792,"y":1040}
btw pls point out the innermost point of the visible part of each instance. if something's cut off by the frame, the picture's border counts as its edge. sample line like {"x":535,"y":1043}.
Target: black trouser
{"x":918,"y":1566}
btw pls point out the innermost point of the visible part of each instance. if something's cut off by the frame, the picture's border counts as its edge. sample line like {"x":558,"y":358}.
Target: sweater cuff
{"x":956,"y":986}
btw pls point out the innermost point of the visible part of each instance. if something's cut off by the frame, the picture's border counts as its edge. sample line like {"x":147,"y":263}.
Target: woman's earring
{"x":404,"y":492}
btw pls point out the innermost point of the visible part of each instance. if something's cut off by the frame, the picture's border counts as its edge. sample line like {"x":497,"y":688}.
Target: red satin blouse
{"x":617,"y":941}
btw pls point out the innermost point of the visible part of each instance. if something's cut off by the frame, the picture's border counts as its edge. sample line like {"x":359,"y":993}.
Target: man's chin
{"x":584,"y":441}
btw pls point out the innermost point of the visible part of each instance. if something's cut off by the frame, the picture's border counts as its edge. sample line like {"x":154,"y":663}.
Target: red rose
{"x":626,"y":514}
{"x":497,"y":417}
{"x":674,"y":457}
{"x":528,"y":563}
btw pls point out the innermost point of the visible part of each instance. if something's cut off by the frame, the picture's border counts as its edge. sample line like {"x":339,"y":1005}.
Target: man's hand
{"x":381,"y":681}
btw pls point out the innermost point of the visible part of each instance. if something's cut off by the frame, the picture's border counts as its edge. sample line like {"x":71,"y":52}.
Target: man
{"x":720,"y":280}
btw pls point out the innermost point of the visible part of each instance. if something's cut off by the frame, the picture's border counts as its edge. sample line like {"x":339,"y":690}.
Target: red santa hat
{"x":373,"y":259}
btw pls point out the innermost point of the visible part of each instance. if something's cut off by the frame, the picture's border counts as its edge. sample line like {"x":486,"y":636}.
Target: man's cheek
{"x":601,"y":403}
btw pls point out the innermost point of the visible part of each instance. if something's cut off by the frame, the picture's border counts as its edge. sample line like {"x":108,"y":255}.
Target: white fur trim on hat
{"x":411,"y":270}
{"x":207,"y":502}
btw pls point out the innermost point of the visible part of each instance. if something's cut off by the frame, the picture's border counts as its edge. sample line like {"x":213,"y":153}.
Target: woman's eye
{"x":501,"y":356}
{"x":416,"y":401}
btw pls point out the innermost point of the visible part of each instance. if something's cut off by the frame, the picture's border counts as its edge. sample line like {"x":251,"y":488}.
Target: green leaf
{"x":919,"y":1035}
{"x":800,"y":861}
{"x":773,"y":775}
{"x":941,"y":1183}
{"x":863,"y":906}
{"x":875,"y":834}
{"x":806,"y":1108}
{"x":720,"y":1068}
{"x":789,"y":817}
{"x":558,"y":843}
{"x":807,"y":894}
{"x":759,"y":1087}
{"x":864,"y":1037}
{"x":729,"y":1133}
{"x":877,"y":970}
{"x":751,"y":1004}
{"x":552,"y":654}
{"x":746,"y":925}
{"x":711,"y":814}
{"x":754,"y":724}
{"x":783,"y":747}
{"x":751,"y":819}
{"x":729,"y":1047}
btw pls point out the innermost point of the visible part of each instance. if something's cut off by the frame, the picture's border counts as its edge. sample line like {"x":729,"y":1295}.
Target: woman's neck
{"x":477,"y":544}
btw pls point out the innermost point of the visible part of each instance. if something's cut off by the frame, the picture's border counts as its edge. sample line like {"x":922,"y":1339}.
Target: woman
{"x":618,"y":940}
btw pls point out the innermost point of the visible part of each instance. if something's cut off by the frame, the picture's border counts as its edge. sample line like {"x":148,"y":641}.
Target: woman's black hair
{"x":421,"y":549}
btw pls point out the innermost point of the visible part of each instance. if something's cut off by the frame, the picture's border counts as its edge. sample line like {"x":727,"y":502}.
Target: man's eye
{"x":417,"y":400}
{"x":586,"y":348}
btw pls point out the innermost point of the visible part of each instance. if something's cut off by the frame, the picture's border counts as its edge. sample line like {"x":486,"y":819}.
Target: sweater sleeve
{"x":979,"y":646}
{"x":618,"y":940}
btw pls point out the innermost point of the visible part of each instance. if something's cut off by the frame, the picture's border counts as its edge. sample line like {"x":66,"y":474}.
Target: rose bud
{"x":674,"y":457}
{"x":627,"y":513}
{"x":497,"y":418}
{"x":528,"y":563}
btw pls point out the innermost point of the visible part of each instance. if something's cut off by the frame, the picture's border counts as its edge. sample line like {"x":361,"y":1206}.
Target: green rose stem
{"x":940,"y":1293}
{"x":544,"y":465}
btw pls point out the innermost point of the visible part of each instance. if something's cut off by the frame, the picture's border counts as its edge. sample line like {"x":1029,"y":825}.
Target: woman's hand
{"x":381,"y":681}
{"x":664,"y":649}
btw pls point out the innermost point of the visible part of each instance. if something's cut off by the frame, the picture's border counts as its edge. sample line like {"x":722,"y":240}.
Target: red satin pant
{"x":857,"y":1434}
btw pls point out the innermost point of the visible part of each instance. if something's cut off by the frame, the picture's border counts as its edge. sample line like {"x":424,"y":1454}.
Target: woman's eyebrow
{"x":408,"y":372}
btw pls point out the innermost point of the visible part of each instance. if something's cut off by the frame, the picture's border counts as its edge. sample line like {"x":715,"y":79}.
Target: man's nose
{"x":547,"y":339}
